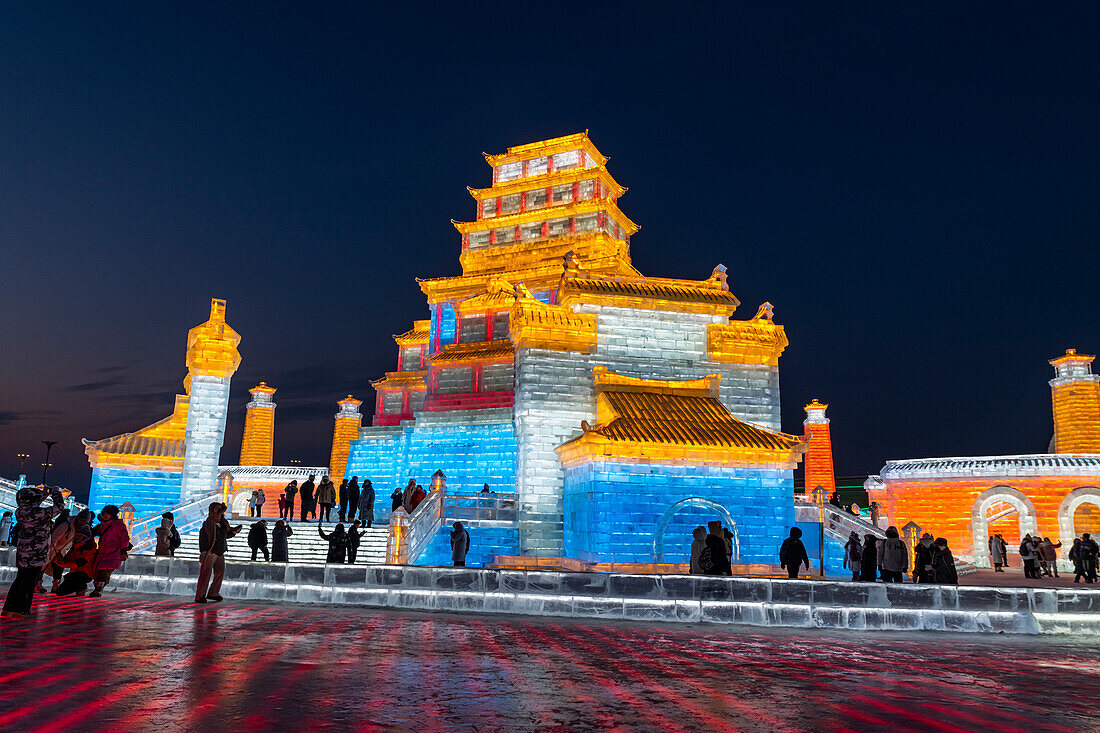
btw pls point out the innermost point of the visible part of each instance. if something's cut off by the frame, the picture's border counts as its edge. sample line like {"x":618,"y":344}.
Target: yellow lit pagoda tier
{"x":546,"y":297}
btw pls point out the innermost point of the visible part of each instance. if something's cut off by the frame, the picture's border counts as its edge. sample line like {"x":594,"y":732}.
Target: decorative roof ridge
{"x":410,"y":376}
{"x":543,"y":180}
{"x":573,"y":208}
{"x":606,"y":380}
{"x":420,"y":331}
{"x":474,"y":351}
{"x":555,"y":144}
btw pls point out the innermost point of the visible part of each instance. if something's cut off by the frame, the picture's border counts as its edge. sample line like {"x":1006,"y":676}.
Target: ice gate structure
{"x":618,"y":410}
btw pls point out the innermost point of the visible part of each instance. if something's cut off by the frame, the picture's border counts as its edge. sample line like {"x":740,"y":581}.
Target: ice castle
{"x":621,"y":410}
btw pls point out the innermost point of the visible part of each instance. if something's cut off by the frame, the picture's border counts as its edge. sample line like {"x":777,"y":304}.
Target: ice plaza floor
{"x":157,"y":663}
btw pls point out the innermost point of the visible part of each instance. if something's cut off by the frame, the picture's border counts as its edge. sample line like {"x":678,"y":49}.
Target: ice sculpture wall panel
{"x":484,"y":543}
{"x":148,"y":491}
{"x":209,"y":404}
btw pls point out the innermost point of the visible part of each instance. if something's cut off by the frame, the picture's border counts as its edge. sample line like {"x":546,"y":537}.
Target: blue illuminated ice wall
{"x":471,"y":447}
{"x":485,"y":542}
{"x":148,"y":491}
{"x":613,"y":509}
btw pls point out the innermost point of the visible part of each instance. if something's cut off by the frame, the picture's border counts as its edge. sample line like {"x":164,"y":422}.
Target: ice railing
{"x":838,"y":524}
{"x":8,"y":488}
{"x":187,"y":516}
{"x":474,"y":507}
{"x":411,"y":533}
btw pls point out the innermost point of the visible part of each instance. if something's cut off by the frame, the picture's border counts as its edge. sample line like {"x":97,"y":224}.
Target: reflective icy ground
{"x":126,"y":663}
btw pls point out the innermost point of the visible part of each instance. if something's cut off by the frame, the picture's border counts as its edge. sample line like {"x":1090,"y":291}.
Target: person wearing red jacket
{"x":114,"y":543}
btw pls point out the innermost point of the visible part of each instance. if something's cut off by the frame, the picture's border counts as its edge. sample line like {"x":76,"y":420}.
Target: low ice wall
{"x":670,"y":598}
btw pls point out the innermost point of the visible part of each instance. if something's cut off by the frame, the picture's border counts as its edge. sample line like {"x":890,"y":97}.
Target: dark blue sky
{"x":913,"y":186}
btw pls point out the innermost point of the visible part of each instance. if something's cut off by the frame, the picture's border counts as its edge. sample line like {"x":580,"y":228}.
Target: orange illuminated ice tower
{"x":257,"y":447}
{"x":348,"y":420}
{"x":1075,"y":397}
{"x":819,"y":458}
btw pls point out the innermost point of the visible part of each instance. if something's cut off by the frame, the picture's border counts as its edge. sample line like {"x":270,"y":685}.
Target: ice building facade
{"x":548,"y":320}
{"x":968,"y":499}
{"x":174,"y":459}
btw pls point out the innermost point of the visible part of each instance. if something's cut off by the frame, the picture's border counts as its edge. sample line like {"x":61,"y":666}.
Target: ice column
{"x":212,"y":358}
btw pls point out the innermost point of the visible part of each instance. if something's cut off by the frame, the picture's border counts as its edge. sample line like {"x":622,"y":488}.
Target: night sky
{"x":913,"y":186}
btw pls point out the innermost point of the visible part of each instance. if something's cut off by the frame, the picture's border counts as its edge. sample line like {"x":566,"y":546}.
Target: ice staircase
{"x":304,"y":546}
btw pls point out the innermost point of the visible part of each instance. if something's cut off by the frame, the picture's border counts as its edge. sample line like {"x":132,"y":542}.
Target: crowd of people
{"x":871,"y":558}
{"x":76,"y":551}
{"x":1039,"y":556}
{"x":351,"y":500}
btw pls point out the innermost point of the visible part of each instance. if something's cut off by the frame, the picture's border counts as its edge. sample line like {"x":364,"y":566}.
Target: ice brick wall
{"x":613,"y":510}
{"x":834,"y":550}
{"x":484,"y":543}
{"x":148,"y":491}
{"x":472,"y":447}
{"x":554,"y":392}
{"x":208,"y":405}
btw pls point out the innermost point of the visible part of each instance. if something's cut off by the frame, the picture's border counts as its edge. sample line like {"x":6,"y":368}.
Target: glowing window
{"x":392,"y":403}
{"x":509,"y":204}
{"x":563,"y":194}
{"x":559,"y":227}
{"x":479,"y":239}
{"x":497,"y":377}
{"x":488,"y":208}
{"x":416,"y":401}
{"x":505,"y":235}
{"x":500,"y":325}
{"x":473,"y":328}
{"x":536,"y":199}
{"x":410,"y":359}
{"x":536,"y":166}
{"x":509,"y":171}
{"x":566,"y":160}
{"x":531,"y":231}
{"x":585,"y":190}
{"x":586,"y":223}
{"x":454,"y":380}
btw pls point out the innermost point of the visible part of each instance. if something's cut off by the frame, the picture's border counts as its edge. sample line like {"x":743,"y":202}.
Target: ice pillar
{"x":212,"y":358}
{"x":819,"y":457}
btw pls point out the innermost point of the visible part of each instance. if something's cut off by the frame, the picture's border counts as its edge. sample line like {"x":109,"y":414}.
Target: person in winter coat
{"x":998,"y":553}
{"x":353,"y":497}
{"x":408,"y":497}
{"x":252,"y":504}
{"x":1088,"y":554}
{"x":355,"y":537}
{"x":943,"y":563}
{"x":61,"y":543}
{"x":289,"y":493}
{"x":79,"y":561}
{"x":326,"y":497}
{"x":1048,"y":557}
{"x":5,"y":528}
{"x":257,"y":540}
{"x":792,"y":553}
{"x":32,"y":545}
{"x":893,"y":556}
{"x":114,"y":543}
{"x":1029,"y":555}
{"x":418,"y":496}
{"x":698,"y":542}
{"x":342,"y":495}
{"x":338,"y":542}
{"x":213,"y":543}
{"x":1076,"y":552}
{"x":834,"y":499}
{"x":164,"y":537}
{"x":306,"y":493}
{"x":460,"y":545}
{"x":280,"y":551}
{"x":261,"y":499}
{"x":922,"y":560}
{"x":853,"y":553}
{"x":397,"y":499}
{"x":714,"y":551}
{"x":869,"y":561}
{"x":366,"y":503}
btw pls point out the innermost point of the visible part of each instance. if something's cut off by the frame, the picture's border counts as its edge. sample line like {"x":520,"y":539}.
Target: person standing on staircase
{"x":353,"y":497}
{"x":306,"y":493}
{"x":288,"y":500}
{"x":338,"y":543}
{"x":366,"y":503}
{"x":326,"y":497}
{"x":279,"y":545}
{"x":257,"y":540}
{"x":354,"y":537}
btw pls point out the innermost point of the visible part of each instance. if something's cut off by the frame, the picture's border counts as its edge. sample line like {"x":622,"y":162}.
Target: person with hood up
{"x":998,"y":553}
{"x":5,"y":528}
{"x":257,"y":540}
{"x":342,"y":512}
{"x":834,"y":499}
{"x":326,"y":497}
{"x":79,"y":560}
{"x":1048,"y":557}
{"x":853,"y":552}
{"x":869,"y":561}
{"x":306,"y":493}
{"x":62,"y":539}
{"x":714,"y":551}
{"x":353,"y":497}
{"x":289,"y":493}
{"x":366,"y":503}
{"x":280,"y":550}
{"x":397,"y":498}
{"x":460,"y":545}
{"x":698,"y":542}
{"x":943,"y":563}
{"x":922,"y":560}
{"x":893,"y":556}
{"x":338,"y":542}
{"x":114,"y":543}
{"x":418,"y":496}
{"x":408,"y":497}
{"x":792,"y":553}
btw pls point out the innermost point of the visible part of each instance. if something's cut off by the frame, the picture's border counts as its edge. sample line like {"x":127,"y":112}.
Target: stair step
{"x":304,"y":546}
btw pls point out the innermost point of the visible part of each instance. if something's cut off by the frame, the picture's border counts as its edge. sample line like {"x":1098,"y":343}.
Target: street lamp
{"x":45,"y":466}
{"x":22,"y":458}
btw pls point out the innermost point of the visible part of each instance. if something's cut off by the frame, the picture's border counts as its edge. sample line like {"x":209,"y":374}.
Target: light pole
{"x":22,"y":458}
{"x":45,"y":466}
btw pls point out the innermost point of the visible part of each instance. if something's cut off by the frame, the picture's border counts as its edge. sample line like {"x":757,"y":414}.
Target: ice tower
{"x":504,"y":372}
{"x":258,"y":443}
{"x":819,"y":456}
{"x":212,"y":359}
